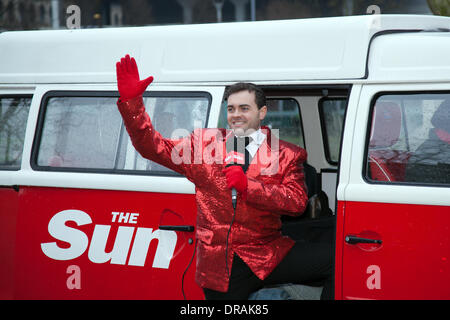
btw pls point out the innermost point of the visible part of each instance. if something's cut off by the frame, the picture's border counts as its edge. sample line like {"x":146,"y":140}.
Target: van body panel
{"x":339,"y":241}
{"x":402,"y":57}
{"x":412,"y":261}
{"x":112,"y":241}
{"x":347,"y":142}
{"x":157,"y":50}
{"x":9,"y":199}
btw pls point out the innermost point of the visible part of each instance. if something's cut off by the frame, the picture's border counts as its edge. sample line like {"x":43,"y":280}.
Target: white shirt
{"x":257,"y":140}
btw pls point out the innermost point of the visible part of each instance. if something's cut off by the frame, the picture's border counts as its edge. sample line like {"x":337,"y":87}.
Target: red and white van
{"x":83,"y":216}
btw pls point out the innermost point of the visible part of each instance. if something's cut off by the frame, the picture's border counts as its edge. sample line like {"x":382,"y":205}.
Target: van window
{"x":283,"y":114}
{"x":332,"y":113}
{"x":173,"y":117}
{"x":87,"y":133}
{"x":13,"y":122}
{"x":409,"y":139}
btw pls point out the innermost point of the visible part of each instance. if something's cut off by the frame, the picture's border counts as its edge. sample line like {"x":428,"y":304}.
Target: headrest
{"x":441,"y":118}
{"x":386,"y":125}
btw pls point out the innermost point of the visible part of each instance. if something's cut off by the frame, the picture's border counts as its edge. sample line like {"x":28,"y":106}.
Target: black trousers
{"x":305,"y":263}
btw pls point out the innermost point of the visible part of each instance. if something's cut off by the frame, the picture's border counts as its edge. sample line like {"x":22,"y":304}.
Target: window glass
{"x":283,"y":114}
{"x":13,"y":122}
{"x":80,"y":132}
{"x":332,"y":112}
{"x":88,"y":132}
{"x":173,"y":118}
{"x":410,"y":139}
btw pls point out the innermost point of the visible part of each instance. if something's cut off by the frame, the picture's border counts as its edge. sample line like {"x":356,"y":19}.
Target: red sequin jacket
{"x":275,"y":186}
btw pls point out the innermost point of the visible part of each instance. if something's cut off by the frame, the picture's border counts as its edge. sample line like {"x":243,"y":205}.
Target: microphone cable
{"x":195,"y":248}
{"x":228,"y":235}
{"x":187,"y":268}
{"x":244,"y":168}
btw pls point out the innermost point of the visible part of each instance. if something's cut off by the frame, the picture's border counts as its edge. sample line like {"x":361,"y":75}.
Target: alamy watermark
{"x":73,"y":21}
{"x":374,"y":279}
{"x":375,"y":23}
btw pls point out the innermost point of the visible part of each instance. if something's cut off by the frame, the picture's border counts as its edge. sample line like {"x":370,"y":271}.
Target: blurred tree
{"x":137,"y":12}
{"x":34,"y":14}
{"x":96,"y":12}
{"x":328,"y":8}
{"x":386,"y":6}
{"x":166,"y":11}
{"x":286,"y":9}
{"x":440,"y":7}
{"x":291,"y":9}
{"x":204,"y":12}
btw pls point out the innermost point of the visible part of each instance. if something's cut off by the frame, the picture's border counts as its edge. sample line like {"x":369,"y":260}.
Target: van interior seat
{"x":316,"y":224}
{"x":386,"y":163}
{"x":317,"y":206}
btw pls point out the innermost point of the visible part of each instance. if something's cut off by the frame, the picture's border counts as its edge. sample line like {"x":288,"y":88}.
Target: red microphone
{"x":234,"y":158}
{"x":237,"y":155}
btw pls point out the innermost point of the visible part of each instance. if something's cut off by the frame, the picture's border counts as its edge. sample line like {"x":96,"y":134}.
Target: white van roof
{"x":286,"y":50}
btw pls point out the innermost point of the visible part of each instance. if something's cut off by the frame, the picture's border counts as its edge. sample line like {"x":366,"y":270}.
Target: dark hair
{"x":260,"y":97}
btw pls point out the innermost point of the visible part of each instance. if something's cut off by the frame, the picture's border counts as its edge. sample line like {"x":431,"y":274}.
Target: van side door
{"x":394,"y":196}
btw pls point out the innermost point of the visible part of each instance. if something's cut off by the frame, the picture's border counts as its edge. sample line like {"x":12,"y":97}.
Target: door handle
{"x":351,"y":239}
{"x":178,"y":228}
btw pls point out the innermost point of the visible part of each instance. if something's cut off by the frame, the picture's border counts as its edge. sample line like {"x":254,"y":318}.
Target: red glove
{"x":128,"y":81}
{"x":237,"y":179}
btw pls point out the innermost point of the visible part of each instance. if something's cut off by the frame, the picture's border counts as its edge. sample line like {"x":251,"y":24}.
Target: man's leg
{"x":307,"y":262}
{"x":242,"y":283}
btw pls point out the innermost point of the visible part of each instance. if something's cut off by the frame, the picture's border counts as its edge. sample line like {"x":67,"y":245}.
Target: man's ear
{"x":262,"y":113}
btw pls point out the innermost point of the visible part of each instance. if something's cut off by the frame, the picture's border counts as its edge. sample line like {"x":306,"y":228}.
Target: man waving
{"x":239,"y":249}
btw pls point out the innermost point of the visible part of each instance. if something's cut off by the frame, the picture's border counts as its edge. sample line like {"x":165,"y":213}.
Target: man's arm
{"x":147,"y":141}
{"x":173,"y":154}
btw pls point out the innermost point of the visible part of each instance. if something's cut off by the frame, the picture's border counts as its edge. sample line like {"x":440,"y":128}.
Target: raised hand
{"x":128,"y":82}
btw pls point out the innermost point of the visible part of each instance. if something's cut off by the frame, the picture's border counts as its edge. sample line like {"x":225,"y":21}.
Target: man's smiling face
{"x":243,"y":115}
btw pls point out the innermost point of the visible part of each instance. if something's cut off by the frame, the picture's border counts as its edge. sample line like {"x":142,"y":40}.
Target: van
{"x":84,"y":216}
